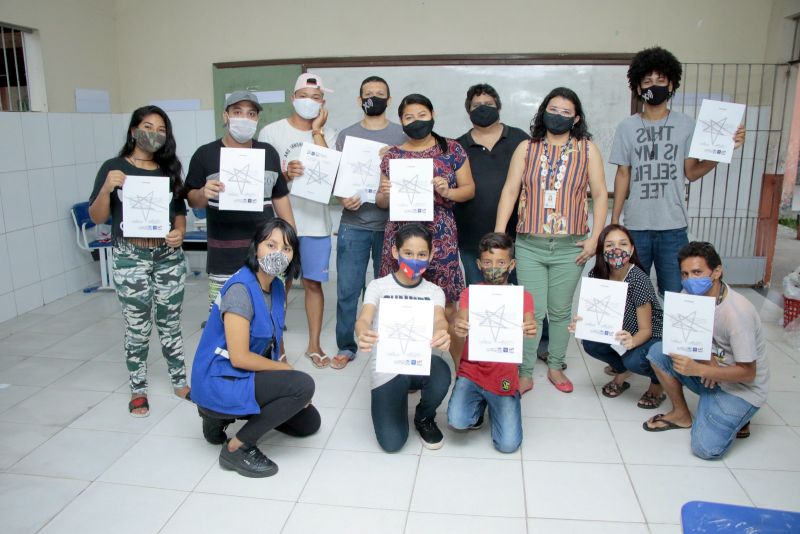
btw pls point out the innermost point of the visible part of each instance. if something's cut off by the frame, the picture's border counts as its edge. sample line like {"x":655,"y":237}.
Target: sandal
{"x":139,"y":403}
{"x":744,"y":432}
{"x":609,"y":371}
{"x":648,"y":401}
{"x":340,"y":361}
{"x":318,"y":360}
{"x":613,"y":390}
{"x":667,"y":425}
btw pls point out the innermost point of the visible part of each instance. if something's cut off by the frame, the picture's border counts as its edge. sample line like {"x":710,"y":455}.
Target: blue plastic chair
{"x":98,"y":242}
{"x":704,"y":517}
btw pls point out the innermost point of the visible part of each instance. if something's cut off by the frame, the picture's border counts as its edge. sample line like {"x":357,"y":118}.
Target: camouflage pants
{"x":143,"y":278}
{"x":215,"y":283}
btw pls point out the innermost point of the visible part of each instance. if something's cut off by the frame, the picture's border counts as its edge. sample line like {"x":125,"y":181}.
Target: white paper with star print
{"x":411,"y":196}
{"x":495,"y":323}
{"x":360,"y":169}
{"x":242,"y":172}
{"x":145,"y":206}
{"x":688,"y":325}
{"x":319,"y":172}
{"x":713,"y":132}
{"x":405,"y":330}
{"x":601,"y":307}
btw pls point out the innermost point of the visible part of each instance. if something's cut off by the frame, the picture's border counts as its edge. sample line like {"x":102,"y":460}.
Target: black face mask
{"x":484,"y":116}
{"x":374,"y":105}
{"x":418,"y":129}
{"x":656,"y":94}
{"x":557,"y":124}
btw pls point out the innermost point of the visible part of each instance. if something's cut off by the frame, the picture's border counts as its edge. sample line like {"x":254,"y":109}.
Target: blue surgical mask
{"x":412,"y":268}
{"x":697,"y":286}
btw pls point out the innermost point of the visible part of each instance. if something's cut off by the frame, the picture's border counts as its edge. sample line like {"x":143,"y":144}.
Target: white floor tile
{"x":568,"y":440}
{"x":341,"y":520}
{"x":469,"y":444}
{"x":11,"y":394}
{"x":660,"y":528}
{"x":82,"y":346}
{"x":467,"y":485}
{"x":95,"y":376}
{"x":781,"y":443}
{"x":182,"y":422}
{"x":766,"y":415}
{"x":37,"y":371}
{"x":18,"y":439}
{"x":784,"y":377}
{"x":354,"y":432}
{"x":123,"y":509}
{"x":656,"y":448}
{"x":174,"y":463}
{"x":779,"y":490}
{"x":214,"y":514}
{"x":361,"y":398}
{"x":546,"y":401}
{"x":328,"y":418}
{"x":597,"y":492}
{"x":363,"y":479}
{"x":27,"y":503}
{"x":332,"y":391}
{"x":112,"y":414}
{"x":663,"y":490}
{"x":52,"y":406}
{"x":427,"y":523}
{"x":560,"y":526}
{"x":786,"y":404}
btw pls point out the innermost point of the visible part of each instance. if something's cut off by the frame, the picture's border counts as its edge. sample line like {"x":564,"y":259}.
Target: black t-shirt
{"x":230,"y":232}
{"x":176,"y":206}
{"x":476,"y":217}
{"x":641,"y":292}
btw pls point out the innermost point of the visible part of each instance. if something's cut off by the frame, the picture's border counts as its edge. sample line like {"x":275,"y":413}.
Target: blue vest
{"x":216,"y":384}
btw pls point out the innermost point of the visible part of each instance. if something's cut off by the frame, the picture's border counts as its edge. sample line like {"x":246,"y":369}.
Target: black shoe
{"x":214,"y":429}
{"x":247,"y":461}
{"x":478,"y":424}
{"x":429,"y":433}
{"x":203,"y":324}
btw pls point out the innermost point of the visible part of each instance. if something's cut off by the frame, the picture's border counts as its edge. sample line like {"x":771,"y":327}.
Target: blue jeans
{"x":661,"y":247}
{"x":469,"y":400}
{"x":472,"y":274}
{"x":390,"y":403}
{"x":719,"y":416}
{"x":634,"y":360}
{"x":353,"y":248}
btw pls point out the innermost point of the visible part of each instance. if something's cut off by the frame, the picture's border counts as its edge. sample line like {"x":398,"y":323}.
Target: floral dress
{"x":444,"y":269}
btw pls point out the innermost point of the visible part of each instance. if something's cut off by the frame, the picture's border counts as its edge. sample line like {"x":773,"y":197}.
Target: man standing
{"x":732,"y":386}
{"x":230,"y":232}
{"x":307,"y":125}
{"x":651,"y":152}
{"x":361,"y":228}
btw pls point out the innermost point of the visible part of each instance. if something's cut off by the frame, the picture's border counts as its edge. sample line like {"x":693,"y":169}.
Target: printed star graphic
{"x":411,"y":186}
{"x":314,"y":175}
{"x":364,"y":169}
{"x":495,"y":321}
{"x":145,"y":204}
{"x":600,"y":307}
{"x":716,"y":129}
{"x":240,"y":177}
{"x":404,"y":333}
{"x":687,"y":324}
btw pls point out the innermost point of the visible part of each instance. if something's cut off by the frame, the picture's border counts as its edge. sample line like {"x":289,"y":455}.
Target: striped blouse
{"x":571,"y":213}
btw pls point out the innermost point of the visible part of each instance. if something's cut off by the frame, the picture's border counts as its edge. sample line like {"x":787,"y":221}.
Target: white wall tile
{"x":22,"y":257}
{"x":105,"y":144}
{"x":2,"y":216}
{"x":6,"y":284}
{"x":60,"y":129}
{"x":28,"y":298}
{"x":48,"y":249}
{"x":92,"y":273}
{"x":8,"y":308}
{"x":75,"y":279}
{"x":12,"y":147}
{"x":119,"y":123}
{"x":85,"y":174}
{"x":36,"y":137}
{"x":73,"y":256}
{"x":16,"y":200}
{"x":83,"y":137}
{"x":205,"y":126}
{"x":54,"y":288}
{"x":43,"y":195}
{"x":65,"y":185}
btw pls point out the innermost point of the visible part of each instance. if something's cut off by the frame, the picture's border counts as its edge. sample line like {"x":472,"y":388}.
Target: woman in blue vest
{"x":237,"y":370}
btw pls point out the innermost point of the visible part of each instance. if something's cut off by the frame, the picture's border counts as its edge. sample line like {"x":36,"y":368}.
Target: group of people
{"x":509,"y":206}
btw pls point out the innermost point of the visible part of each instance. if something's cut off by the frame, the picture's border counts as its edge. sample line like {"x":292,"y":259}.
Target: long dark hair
{"x":289,"y":238}
{"x":579,"y":131}
{"x":422,"y":100}
{"x":601,"y":268}
{"x":165,"y":157}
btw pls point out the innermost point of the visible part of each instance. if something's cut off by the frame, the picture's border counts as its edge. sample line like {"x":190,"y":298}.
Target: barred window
{"x":21,"y":72}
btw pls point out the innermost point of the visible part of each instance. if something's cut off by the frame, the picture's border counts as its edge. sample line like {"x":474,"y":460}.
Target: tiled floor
{"x":72,"y":460}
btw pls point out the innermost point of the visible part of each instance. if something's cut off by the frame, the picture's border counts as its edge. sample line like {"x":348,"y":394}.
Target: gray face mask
{"x":149,"y":141}
{"x":274,"y":263}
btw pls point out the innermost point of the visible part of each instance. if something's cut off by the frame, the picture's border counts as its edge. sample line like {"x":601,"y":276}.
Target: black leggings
{"x":283,"y":396}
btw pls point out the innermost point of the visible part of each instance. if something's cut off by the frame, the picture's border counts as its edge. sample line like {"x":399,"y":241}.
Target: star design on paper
{"x":495,"y":321}
{"x":314,"y":175}
{"x":403,"y":332}
{"x":602,"y":308}
{"x":240,"y":177}
{"x":364,"y":169}
{"x":687,"y":324}
{"x":716,"y":129}
{"x":145,"y":204}
{"x":411,"y":186}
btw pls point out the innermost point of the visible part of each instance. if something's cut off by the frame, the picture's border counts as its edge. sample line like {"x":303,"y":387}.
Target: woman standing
{"x":550,"y":174}
{"x":452,"y":182}
{"x":148,"y":272}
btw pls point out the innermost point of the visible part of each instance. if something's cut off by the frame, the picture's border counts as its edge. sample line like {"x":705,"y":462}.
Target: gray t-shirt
{"x":655,"y":151}
{"x":237,"y":300}
{"x":738,"y":338}
{"x":369,"y":216}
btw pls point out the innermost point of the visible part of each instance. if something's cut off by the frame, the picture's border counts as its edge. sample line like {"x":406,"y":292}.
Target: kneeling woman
{"x":237,"y":371}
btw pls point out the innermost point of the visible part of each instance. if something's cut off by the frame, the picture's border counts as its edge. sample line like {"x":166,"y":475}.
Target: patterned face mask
{"x":274,"y":263}
{"x":149,"y":141}
{"x":617,"y":258}
{"x":495,"y":275}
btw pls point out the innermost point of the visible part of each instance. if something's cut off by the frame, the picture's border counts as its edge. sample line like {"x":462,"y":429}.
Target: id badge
{"x":550,"y":199}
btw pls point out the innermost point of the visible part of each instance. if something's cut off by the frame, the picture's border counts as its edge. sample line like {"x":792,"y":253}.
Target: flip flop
{"x":340,"y":361}
{"x":318,"y":360}
{"x":137,"y":404}
{"x":744,"y":432}
{"x":668,"y":425}
{"x":609,"y":371}
{"x":612,"y":390}
{"x":648,"y":401}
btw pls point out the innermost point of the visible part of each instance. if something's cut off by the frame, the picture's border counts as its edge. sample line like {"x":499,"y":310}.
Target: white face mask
{"x":241,"y":129}
{"x":307,"y":108}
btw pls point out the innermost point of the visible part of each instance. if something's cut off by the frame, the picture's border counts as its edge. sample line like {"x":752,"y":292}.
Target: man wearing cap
{"x":306,"y":124}
{"x":230,"y":232}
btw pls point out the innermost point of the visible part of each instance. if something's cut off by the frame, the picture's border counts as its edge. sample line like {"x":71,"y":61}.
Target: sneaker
{"x":214,"y":429}
{"x":478,"y":424}
{"x":429,"y":433}
{"x":247,"y":461}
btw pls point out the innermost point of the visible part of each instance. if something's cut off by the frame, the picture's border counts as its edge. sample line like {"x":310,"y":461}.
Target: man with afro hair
{"x":651,"y":153}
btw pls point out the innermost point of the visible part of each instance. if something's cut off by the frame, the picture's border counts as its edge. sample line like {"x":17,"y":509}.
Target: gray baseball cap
{"x":240,"y":96}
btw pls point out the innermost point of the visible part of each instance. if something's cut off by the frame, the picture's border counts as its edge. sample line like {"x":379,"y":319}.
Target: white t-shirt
{"x":312,"y":218}
{"x":738,"y":338}
{"x":389,"y":287}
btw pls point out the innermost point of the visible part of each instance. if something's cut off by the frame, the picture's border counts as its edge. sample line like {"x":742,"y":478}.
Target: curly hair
{"x":655,"y":59}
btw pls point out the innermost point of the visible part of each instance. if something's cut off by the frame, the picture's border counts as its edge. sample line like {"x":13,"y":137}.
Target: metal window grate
{"x":13,"y":71}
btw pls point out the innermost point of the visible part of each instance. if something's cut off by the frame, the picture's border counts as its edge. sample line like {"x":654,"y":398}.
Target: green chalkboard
{"x":266,"y":78}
